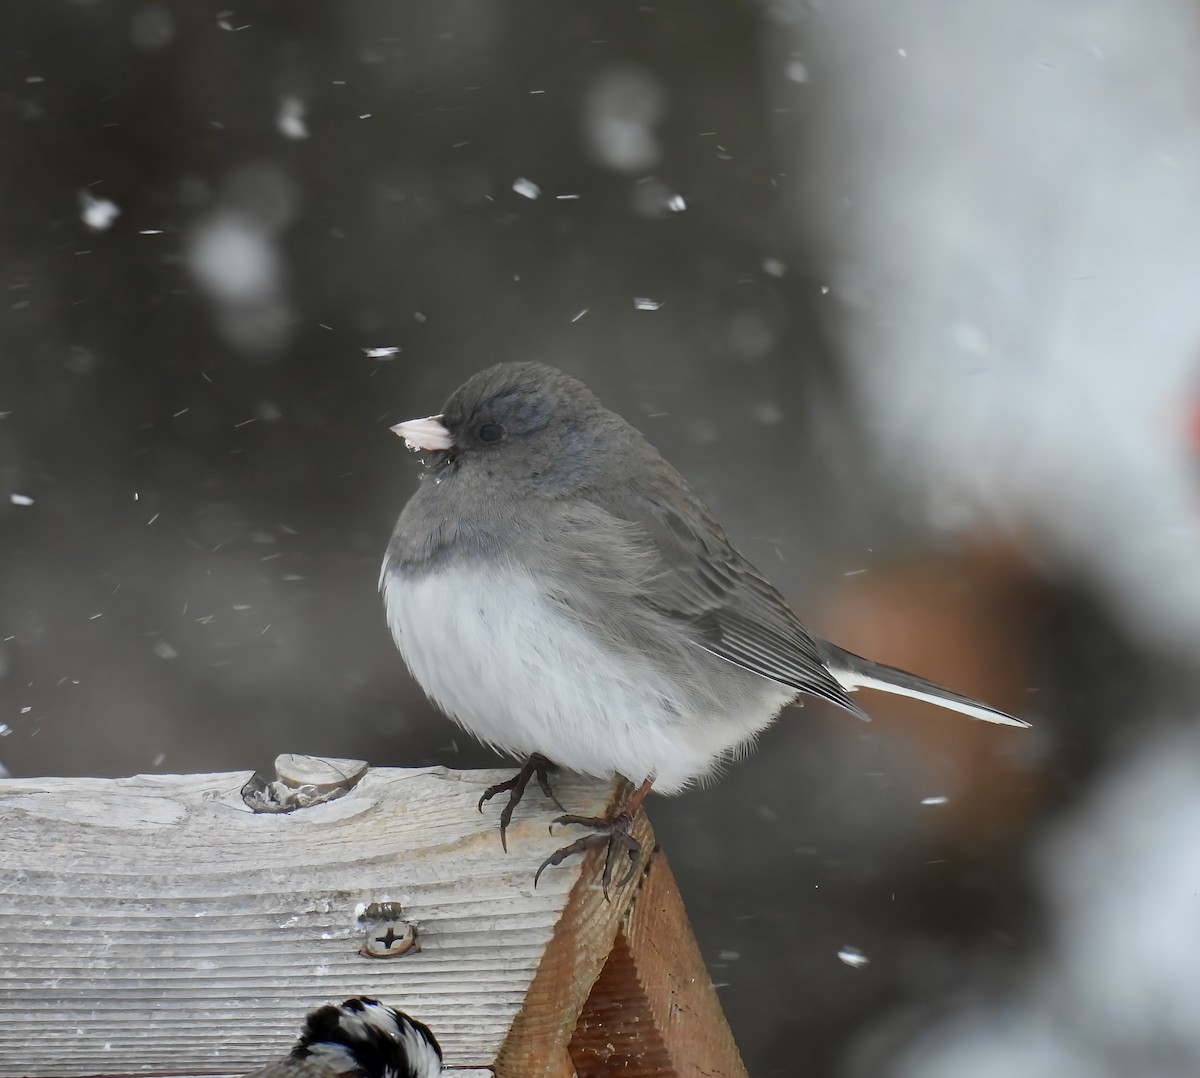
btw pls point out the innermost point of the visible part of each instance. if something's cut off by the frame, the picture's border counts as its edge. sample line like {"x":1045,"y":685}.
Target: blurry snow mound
{"x":233,"y":255}
{"x":1007,"y":193}
{"x":1124,"y":881}
{"x":621,"y":111}
{"x":1116,"y":994}
{"x":999,"y":1044}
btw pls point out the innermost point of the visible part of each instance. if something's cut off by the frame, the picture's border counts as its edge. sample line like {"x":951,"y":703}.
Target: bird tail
{"x":854,"y":672}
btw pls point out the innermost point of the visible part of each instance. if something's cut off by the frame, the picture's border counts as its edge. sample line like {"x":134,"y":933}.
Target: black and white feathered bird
{"x":360,"y":1038}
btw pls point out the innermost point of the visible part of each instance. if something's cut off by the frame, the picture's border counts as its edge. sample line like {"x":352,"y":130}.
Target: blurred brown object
{"x":962,"y":619}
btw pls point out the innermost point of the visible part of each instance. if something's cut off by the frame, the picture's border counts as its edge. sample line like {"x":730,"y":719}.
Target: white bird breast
{"x":517,"y":672}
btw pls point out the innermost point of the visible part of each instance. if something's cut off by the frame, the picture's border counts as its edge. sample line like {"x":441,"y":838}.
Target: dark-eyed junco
{"x":556,"y":587}
{"x":360,"y":1038}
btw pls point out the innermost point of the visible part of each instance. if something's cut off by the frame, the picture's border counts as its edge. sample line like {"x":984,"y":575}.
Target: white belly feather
{"x":516,"y":672}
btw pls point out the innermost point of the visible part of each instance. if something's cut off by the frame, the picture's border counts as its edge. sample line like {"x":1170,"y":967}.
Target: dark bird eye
{"x":491,"y":432}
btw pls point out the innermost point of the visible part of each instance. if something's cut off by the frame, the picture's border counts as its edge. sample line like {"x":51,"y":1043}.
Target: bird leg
{"x":615,"y":832}
{"x":535,"y":767}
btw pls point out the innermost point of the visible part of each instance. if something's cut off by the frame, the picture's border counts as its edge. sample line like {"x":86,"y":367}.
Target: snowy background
{"x":911,"y":294}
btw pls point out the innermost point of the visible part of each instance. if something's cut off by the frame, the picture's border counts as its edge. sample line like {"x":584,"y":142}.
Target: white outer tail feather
{"x":852,"y":680}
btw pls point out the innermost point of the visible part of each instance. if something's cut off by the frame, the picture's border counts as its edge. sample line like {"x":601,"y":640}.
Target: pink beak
{"x":429,"y":433}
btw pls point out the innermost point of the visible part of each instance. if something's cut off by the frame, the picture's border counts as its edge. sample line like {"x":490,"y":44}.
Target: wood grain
{"x":682,"y":1003}
{"x":537,"y":1044}
{"x":154,"y":925}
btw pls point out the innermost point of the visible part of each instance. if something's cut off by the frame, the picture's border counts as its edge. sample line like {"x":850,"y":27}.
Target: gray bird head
{"x":521,"y":425}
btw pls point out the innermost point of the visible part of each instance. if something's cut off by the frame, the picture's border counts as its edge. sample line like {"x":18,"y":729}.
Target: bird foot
{"x":615,"y":832}
{"x":535,"y":767}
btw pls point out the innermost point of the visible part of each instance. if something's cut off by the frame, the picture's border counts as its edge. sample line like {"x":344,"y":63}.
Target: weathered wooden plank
{"x":578,"y":950}
{"x":155,"y":925}
{"x":682,"y":1002}
{"x":653,"y":1012}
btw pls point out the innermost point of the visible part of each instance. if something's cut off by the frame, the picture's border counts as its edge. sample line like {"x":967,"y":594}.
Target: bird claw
{"x":615,"y":832}
{"x":535,"y":767}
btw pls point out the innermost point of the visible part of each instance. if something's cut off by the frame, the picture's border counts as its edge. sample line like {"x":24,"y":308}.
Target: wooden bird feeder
{"x":156,"y":925}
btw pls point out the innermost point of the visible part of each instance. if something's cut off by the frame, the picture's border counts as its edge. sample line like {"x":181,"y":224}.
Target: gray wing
{"x":699,"y":579}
